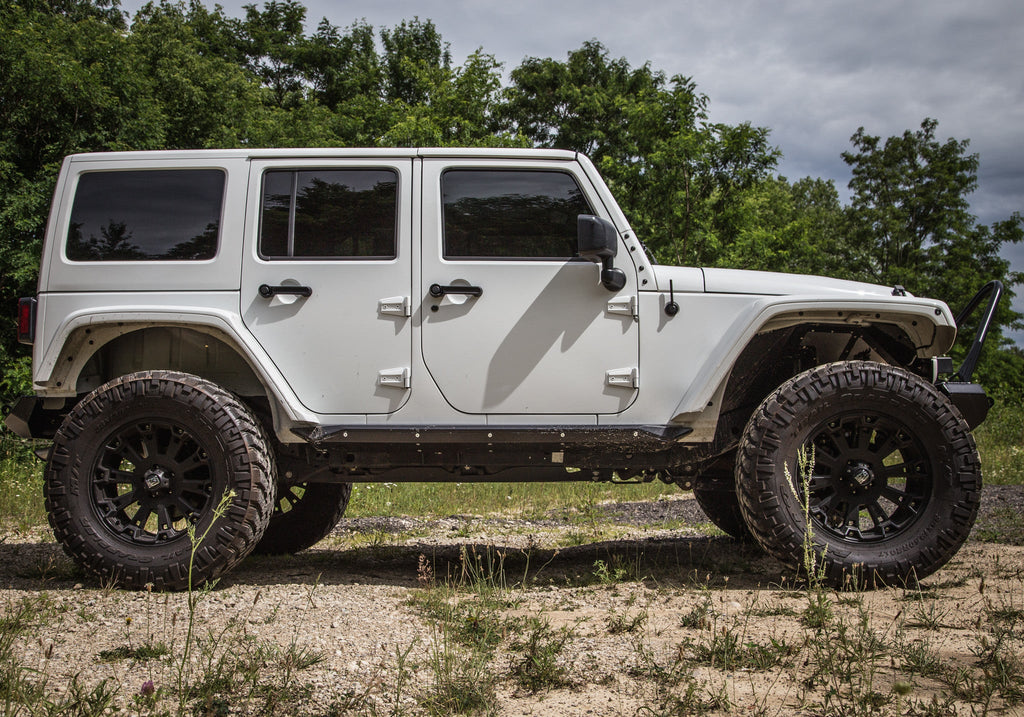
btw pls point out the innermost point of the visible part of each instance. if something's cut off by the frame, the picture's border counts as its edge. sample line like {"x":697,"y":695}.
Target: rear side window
{"x":329,"y":214}
{"x":510,"y":214}
{"x":148,"y":215}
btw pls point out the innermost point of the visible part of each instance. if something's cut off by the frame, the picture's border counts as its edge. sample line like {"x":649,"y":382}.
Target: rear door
{"x":543,"y":336}
{"x":326,"y":280}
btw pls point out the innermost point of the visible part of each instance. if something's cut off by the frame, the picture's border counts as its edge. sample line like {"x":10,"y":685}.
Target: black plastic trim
{"x":970,"y":400}
{"x":267,"y":291}
{"x":29,"y":419}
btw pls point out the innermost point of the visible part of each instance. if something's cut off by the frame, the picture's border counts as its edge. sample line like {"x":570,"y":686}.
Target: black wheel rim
{"x":287,"y":497}
{"x":152,"y":479}
{"x":871,"y":478}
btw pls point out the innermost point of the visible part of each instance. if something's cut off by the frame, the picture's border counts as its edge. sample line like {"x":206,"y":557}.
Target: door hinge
{"x":625,"y":305}
{"x":395,"y":377}
{"x":623,"y":377}
{"x":395,"y":306}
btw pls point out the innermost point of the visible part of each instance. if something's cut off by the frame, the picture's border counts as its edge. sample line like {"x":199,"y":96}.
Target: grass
{"x":528,"y":501}
{"x":21,"y":483}
{"x":1001,"y":442}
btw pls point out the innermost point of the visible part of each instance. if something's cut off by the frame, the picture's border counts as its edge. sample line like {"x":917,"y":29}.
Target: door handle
{"x":437,"y":290}
{"x":267,"y":291}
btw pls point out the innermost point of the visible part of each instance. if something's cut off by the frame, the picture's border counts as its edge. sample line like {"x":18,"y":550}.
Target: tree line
{"x":79,"y":75}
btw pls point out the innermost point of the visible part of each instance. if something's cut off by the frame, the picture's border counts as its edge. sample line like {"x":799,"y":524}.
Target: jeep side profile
{"x":274,"y":325}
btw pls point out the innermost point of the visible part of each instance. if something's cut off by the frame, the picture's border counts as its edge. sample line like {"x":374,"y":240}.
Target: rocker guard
{"x":658,"y":437}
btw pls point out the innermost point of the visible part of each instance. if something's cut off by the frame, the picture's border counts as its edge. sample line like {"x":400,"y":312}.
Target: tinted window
{"x":169,"y":214}
{"x":510,"y":214}
{"x":329,"y":213}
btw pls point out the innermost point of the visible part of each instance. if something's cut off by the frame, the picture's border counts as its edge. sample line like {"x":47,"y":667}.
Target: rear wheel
{"x":147,"y":458}
{"x":304,"y":514}
{"x":722,"y":507}
{"x":892,"y":480}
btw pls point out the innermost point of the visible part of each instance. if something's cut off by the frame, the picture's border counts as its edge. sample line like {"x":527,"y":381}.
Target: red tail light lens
{"x":26,"y":320}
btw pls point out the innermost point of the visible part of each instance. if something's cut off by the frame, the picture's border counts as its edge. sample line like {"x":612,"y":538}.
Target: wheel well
{"x":795,"y":349}
{"x":173,"y":348}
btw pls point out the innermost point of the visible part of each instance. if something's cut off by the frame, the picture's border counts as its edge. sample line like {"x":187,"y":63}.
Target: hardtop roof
{"x":327,"y":153}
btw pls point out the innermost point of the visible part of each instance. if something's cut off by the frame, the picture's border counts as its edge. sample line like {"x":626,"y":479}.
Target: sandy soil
{"x":614,"y":615}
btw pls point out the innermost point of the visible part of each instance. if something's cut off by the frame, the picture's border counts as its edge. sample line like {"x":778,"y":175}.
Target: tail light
{"x":27,"y":320}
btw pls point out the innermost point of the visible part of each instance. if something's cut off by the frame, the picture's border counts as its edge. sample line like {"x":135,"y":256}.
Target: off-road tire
{"x":304,"y":514}
{"x":722,"y":508}
{"x":142,"y":457}
{"x":895,"y":484}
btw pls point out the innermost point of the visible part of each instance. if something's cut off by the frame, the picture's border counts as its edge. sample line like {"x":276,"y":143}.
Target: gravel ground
{"x":622,"y":588}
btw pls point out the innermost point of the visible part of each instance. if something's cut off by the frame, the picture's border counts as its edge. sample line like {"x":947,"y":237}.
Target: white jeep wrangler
{"x":276,"y":324}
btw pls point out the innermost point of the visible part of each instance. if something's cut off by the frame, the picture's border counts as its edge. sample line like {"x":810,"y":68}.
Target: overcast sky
{"x":812,"y":71}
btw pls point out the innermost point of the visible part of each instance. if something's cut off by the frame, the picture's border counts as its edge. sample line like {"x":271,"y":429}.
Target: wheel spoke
{"x":888,"y":444}
{"x":188,"y":511}
{"x":852,"y":436}
{"x":126,"y":450}
{"x":896,"y":469}
{"x":878,"y":516}
{"x":818,"y":483}
{"x":141,"y":516}
{"x":851,"y":514}
{"x":114,"y":476}
{"x":123,"y":501}
{"x":164,"y":521}
{"x":825,"y":504}
{"x":894,"y":494}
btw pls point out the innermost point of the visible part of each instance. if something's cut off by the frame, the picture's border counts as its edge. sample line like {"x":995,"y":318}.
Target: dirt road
{"x":634,"y":609}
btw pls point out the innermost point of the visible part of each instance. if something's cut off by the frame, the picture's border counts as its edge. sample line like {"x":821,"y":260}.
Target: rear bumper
{"x":32,"y":418}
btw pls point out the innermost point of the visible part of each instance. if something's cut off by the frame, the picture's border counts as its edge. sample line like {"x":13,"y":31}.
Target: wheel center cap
{"x":861,"y":474}
{"x":156,"y":479}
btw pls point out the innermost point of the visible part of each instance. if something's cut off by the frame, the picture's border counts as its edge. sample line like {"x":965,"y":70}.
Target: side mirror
{"x":598,"y":241}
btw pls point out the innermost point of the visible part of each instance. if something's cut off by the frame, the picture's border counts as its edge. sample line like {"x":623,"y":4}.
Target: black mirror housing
{"x":596,"y":238}
{"x":598,"y":241}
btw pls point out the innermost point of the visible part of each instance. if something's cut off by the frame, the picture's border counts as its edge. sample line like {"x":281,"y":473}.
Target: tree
{"x":677,"y":175}
{"x":796,"y":228}
{"x":272,"y":41}
{"x":67,"y":84}
{"x":910,"y":222}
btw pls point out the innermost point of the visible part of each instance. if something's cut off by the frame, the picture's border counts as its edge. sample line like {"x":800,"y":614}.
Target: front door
{"x":326,"y":282}
{"x":515,"y":324}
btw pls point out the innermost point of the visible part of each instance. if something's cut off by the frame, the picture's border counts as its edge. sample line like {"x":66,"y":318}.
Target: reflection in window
{"x":326,"y":213}
{"x":510,"y":214}
{"x":146,"y":215}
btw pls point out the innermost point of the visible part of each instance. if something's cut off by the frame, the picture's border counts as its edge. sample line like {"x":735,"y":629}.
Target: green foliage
{"x":536,"y":665}
{"x":678,"y":176}
{"x":909,"y":223}
{"x":76,"y":76}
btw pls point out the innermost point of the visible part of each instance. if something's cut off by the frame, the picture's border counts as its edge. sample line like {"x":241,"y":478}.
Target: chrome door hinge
{"x":623,"y":377}
{"x":624,"y":305}
{"x":395,"y":377}
{"x":395,"y":306}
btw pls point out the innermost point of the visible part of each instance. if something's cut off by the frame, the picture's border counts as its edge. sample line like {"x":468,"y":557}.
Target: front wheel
{"x":891,"y":481}
{"x":137,"y":473}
